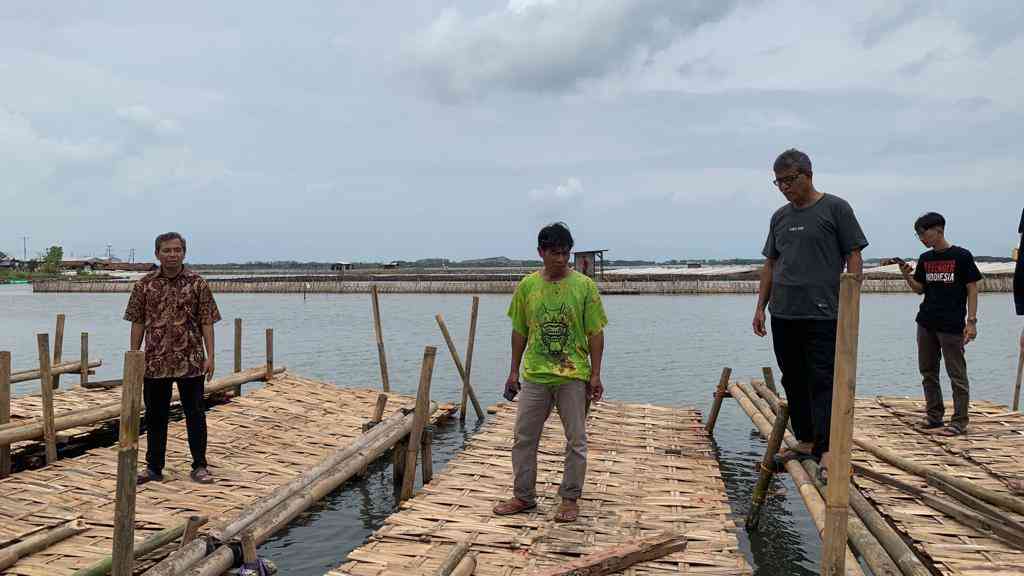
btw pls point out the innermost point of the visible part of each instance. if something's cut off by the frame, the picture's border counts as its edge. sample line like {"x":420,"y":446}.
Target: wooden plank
{"x":270,"y":353}
{"x":83,"y":353}
{"x":620,"y":557}
{"x":238,"y":352}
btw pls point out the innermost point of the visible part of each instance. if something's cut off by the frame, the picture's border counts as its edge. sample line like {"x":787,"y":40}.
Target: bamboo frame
{"x":5,"y":410}
{"x":419,"y":420}
{"x":721,"y":391}
{"x":469,"y":355}
{"x":381,"y":355}
{"x":58,"y":349}
{"x":123,"y":555}
{"x":46,"y":388}
{"x":467,"y":387}
{"x":83,"y":360}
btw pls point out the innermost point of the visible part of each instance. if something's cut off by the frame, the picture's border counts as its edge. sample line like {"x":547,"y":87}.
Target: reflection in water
{"x":660,"y":349}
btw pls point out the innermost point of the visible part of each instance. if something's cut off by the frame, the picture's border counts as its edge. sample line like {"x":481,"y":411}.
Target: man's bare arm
{"x":855,"y":262}
{"x":764,"y":294}
{"x":210,"y":350}
{"x":138,"y":332}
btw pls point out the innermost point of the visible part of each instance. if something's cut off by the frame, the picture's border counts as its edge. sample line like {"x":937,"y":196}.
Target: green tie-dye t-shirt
{"x":557,"y":319}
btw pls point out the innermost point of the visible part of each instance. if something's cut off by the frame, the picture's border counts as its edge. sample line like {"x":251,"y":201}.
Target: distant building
{"x":590,"y":262}
{"x":390,"y":265}
{"x":341,"y":266}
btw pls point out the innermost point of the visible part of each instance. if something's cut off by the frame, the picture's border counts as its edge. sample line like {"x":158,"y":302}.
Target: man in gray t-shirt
{"x":811,"y":239}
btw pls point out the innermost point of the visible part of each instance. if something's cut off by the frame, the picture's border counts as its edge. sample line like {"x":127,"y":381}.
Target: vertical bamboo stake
{"x":249,"y":556}
{"x":238,"y":352}
{"x":58,"y":349}
{"x":378,"y":409}
{"x":5,"y":410}
{"x":380,"y":340}
{"x":466,"y":386}
{"x":769,"y":378}
{"x":764,"y":480}
{"x":837,"y":493}
{"x":427,"y":457}
{"x":469,"y":356}
{"x":418,"y":420}
{"x":270,"y":354}
{"x":122,"y":557}
{"x":83,"y":359}
{"x":398,"y":463}
{"x":46,"y":387}
{"x":191,"y":529}
{"x":1020,"y":376}
{"x":720,"y":392}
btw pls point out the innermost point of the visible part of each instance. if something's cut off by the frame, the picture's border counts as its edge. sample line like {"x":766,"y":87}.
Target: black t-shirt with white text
{"x":945,"y":276}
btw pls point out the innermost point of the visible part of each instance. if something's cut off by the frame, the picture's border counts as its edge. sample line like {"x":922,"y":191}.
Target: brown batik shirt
{"x":173,"y":311}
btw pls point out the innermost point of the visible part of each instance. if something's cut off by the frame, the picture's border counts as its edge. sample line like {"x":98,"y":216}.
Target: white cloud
{"x":142,"y":117}
{"x":569,"y":190}
{"x":550,"y":45}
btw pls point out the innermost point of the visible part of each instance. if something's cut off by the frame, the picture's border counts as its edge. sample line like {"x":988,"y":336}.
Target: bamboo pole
{"x":466,"y":566}
{"x":5,"y":410}
{"x":46,"y":388}
{"x":83,"y":353}
{"x":455,"y":556}
{"x":58,"y":349}
{"x":427,"y":456}
{"x":1020,"y":376}
{"x":469,"y":355}
{"x":900,"y":556}
{"x":764,"y":479}
{"x":805,"y":486}
{"x":721,"y":391}
{"x":238,"y":352}
{"x":33,"y":430}
{"x":270,"y":353}
{"x":769,"y":377}
{"x":63,"y":368}
{"x":419,"y":420}
{"x":267,"y":521}
{"x":381,"y":356}
{"x":619,"y":558}
{"x":398,"y":464}
{"x":191,"y":530}
{"x":122,"y":557}
{"x":467,"y":387}
{"x":10,"y":555}
{"x":833,"y":559}
{"x":151,"y":544}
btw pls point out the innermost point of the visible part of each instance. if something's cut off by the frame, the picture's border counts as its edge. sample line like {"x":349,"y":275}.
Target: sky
{"x":373,"y":131}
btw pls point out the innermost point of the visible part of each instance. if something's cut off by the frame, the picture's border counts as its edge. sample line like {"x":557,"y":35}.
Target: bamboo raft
{"x":650,"y":469}
{"x":635,"y":286}
{"x":991,"y":453}
{"x":257,"y":443}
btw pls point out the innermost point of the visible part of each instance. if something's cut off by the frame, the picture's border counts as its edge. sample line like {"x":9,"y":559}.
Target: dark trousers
{"x":932,"y":346}
{"x":806,"y":353}
{"x":156,"y":393}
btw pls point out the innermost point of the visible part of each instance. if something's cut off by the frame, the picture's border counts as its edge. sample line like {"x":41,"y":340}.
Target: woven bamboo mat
{"x":29,"y":408}
{"x":256,"y":443}
{"x":991,"y":452}
{"x":650,"y":469}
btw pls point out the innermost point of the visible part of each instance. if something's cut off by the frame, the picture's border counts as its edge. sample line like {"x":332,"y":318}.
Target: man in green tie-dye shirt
{"x":558,"y":339}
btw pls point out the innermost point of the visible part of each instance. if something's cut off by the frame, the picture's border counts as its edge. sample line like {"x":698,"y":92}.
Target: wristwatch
{"x":972,"y":320}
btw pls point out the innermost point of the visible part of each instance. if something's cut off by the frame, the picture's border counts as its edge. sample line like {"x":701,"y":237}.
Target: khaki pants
{"x":535,"y":404}
{"x":932,"y":347}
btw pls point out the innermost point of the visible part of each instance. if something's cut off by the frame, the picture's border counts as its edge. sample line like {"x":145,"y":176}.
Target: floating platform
{"x":991,"y":453}
{"x":650,"y":469}
{"x":257,"y":442}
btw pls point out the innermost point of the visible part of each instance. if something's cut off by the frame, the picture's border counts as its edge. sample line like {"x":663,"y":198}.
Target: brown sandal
{"x":568,"y":511}
{"x":512,"y":506}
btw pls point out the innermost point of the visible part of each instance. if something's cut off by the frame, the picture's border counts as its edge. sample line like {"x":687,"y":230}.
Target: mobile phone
{"x":510,"y":391}
{"x":893,"y":260}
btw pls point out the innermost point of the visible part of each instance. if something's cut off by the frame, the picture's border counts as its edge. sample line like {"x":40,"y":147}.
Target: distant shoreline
{"x":480,"y":284}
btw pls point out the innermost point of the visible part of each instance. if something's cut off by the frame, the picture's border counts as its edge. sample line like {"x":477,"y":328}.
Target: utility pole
{"x":131,"y":257}
{"x":24,"y":247}
{"x":108,"y":252}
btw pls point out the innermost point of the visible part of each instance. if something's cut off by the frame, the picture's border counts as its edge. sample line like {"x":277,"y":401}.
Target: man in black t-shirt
{"x":1018,"y":276}
{"x":948,"y":278}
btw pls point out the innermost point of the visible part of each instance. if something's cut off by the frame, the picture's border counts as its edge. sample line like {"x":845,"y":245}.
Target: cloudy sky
{"x":377,"y":130}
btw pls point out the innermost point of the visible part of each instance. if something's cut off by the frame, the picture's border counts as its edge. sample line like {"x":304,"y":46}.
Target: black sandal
{"x":780,"y":459}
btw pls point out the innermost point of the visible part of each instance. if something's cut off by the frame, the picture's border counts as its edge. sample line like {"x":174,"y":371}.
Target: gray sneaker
{"x":201,"y":476}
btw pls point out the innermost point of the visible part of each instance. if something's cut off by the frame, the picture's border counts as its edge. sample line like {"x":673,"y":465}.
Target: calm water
{"x":660,"y":349}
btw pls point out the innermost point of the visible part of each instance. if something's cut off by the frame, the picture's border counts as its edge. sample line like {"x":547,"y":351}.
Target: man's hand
{"x":208,"y":368}
{"x":511,"y":384}
{"x":970,"y":333}
{"x":1022,"y":339}
{"x":758,"y":323}
{"x":595,"y":389}
{"x":906,"y":268}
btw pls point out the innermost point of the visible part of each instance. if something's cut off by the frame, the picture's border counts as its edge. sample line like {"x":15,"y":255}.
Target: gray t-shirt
{"x":809,"y":246}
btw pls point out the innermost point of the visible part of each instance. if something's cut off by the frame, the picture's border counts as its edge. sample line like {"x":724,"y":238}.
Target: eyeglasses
{"x":786,"y":180}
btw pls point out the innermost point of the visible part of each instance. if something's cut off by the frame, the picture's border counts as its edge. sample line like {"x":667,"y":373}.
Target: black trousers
{"x":806,"y":353}
{"x":156,"y":393}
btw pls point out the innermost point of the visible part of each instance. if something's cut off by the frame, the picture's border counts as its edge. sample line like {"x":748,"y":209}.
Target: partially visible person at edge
{"x":173,"y":309}
{"x":948,"y":277}
{"x":811,"y":239}
{"x":558,"y":339}
{"x":1017,"y":485}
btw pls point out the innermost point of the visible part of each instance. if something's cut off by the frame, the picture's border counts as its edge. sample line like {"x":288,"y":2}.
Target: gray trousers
{"x":535,"y":404}
{"x":932,"y":346}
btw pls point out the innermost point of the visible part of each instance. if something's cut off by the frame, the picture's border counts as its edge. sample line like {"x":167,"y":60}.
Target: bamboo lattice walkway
{"x":28,"y":409}
{"x":256,"y":442}
{"x":991,"y":453}
{"x":650,"y":469}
